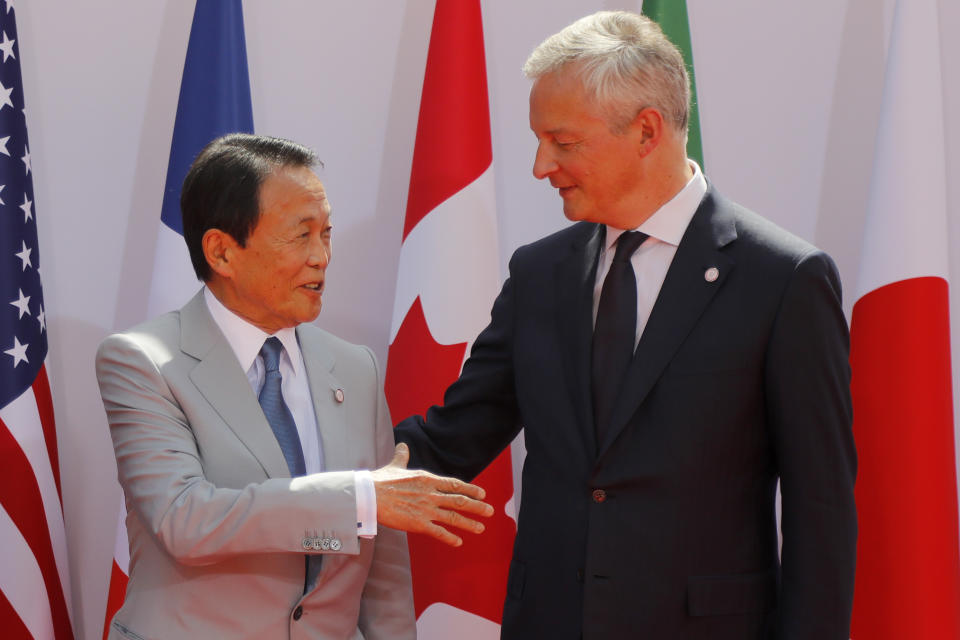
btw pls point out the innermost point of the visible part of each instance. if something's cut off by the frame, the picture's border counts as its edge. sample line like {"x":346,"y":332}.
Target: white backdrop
{"x":789,"y":95}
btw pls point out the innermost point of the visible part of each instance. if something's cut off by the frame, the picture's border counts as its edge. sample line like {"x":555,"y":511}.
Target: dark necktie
{"x":615,"y":331}
{"x":276,"y":410}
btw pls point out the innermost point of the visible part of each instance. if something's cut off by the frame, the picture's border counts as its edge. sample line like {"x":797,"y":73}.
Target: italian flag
{"x":672,"y":17}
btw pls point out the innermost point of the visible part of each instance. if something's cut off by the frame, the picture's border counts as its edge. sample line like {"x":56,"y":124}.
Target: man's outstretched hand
{"x":421,"y":502}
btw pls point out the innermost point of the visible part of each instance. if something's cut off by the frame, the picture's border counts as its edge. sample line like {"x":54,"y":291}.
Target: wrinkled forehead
{"x":292,"y":183}
{"x":558,"y":96}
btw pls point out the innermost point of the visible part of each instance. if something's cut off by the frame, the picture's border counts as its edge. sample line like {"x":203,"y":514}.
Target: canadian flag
{"x":908,"y":554}
{"x":447,"y":280}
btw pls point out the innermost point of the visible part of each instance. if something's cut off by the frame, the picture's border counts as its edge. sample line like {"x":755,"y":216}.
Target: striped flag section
{"x":34,"y":579}
{"x":119,"y":570}
{"x":448,"y":278}
{"x":672,"y":17}
{"x":214,"y":100}
{"x":908,"y":553}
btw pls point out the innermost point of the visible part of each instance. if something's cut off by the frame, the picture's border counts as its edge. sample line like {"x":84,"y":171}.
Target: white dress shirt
{"x":652,"y":260}
{"x":246,"y":340}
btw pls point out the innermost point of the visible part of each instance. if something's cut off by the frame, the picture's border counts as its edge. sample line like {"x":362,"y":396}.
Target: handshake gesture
{"x":421,"y":502}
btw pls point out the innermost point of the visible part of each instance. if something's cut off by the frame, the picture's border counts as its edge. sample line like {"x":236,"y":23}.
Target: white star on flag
{"x":7,"y":47}
{"x":9,"y":5}
{"x":23,"y":303}
{"x":42,"y":319}
{"x":27,"y":211}
{"x":3,"y":145}
{"x":18,"y":351}
{"x":5,"y":97}
{"x":26,"y":157}
{"x":24,"y":256}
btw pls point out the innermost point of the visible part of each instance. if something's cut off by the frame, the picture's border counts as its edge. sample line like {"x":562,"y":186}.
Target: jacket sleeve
{"x":810,"y":412}
{"x":161,"y":471}
{"x":479,"y":416}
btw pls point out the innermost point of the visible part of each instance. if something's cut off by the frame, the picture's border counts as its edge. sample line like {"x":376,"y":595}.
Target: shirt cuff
{"x":366,"y":504}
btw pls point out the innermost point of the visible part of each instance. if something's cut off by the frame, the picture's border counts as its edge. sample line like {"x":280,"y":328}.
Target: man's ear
{"x":220,"y":250}
{"x":648,"y":127}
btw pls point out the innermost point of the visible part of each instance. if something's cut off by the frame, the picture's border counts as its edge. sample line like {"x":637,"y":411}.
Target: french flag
{"x":214,"y":100}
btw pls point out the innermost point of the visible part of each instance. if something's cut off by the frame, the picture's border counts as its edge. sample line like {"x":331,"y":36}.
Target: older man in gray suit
{"x":237,"y":428}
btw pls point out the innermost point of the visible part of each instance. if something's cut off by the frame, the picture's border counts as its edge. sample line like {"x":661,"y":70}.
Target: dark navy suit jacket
{"x":667,"y":528}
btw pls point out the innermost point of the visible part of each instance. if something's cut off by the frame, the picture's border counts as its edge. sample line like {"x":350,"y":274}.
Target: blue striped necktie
{"x":276,"y":410}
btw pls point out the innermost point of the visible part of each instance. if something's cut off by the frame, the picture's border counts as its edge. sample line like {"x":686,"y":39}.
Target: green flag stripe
{"x":671,"y":15}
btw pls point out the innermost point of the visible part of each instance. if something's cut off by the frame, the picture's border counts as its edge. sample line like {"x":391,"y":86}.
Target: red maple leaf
{"x":472,"y":577}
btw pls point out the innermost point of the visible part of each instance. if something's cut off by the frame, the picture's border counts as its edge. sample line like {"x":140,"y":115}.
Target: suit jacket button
{"x":298,"y":612}
{"x":599,"y":495}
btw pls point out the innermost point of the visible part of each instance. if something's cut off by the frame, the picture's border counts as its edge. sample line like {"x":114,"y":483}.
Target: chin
{"x":574,"y":214}
{"x":307,"y":316}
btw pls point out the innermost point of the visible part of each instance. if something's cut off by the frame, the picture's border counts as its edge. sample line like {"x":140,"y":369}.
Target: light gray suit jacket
{"x":215,"y":523}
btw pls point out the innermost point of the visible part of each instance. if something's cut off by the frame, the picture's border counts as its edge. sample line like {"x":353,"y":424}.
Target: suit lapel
{"x":331,"y":413}
{"x":685,"y":294}
{"x":224,"y":384}
{"x":576,"y":274}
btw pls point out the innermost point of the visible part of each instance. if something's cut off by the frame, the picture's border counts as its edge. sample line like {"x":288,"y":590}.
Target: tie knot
{"x":627,"y":243}
{"x":270,"y":351}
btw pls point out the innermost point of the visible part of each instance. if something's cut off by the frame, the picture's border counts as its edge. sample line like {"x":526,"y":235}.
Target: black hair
{"x":222,"y":187}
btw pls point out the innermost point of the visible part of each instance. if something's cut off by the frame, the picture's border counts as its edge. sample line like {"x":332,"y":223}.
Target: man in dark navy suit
{"x":671,"y":357}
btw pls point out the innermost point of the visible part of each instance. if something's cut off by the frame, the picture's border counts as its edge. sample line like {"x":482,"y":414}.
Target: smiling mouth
{"x":314,"y":286}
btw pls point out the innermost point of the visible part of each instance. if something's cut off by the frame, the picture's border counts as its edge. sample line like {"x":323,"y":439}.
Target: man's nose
{"x":543,"y":163}
{"x":319,"y":255}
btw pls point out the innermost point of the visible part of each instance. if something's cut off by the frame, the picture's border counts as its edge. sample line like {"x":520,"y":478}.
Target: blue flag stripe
{"x":214,"y":94}
{"x":23,"y":338}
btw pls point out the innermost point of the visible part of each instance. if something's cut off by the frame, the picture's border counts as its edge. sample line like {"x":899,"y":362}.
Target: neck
{"x":227,"y":296}
{"x":660,"y":186}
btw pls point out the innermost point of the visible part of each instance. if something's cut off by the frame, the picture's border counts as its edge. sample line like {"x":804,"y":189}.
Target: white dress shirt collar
{"x":246,"y":339}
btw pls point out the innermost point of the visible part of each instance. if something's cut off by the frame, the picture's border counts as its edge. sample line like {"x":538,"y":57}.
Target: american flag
{"x":34,"y":582}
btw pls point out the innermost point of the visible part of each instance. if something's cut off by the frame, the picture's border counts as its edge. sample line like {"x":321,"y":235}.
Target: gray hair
{"x":625,"y":61}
